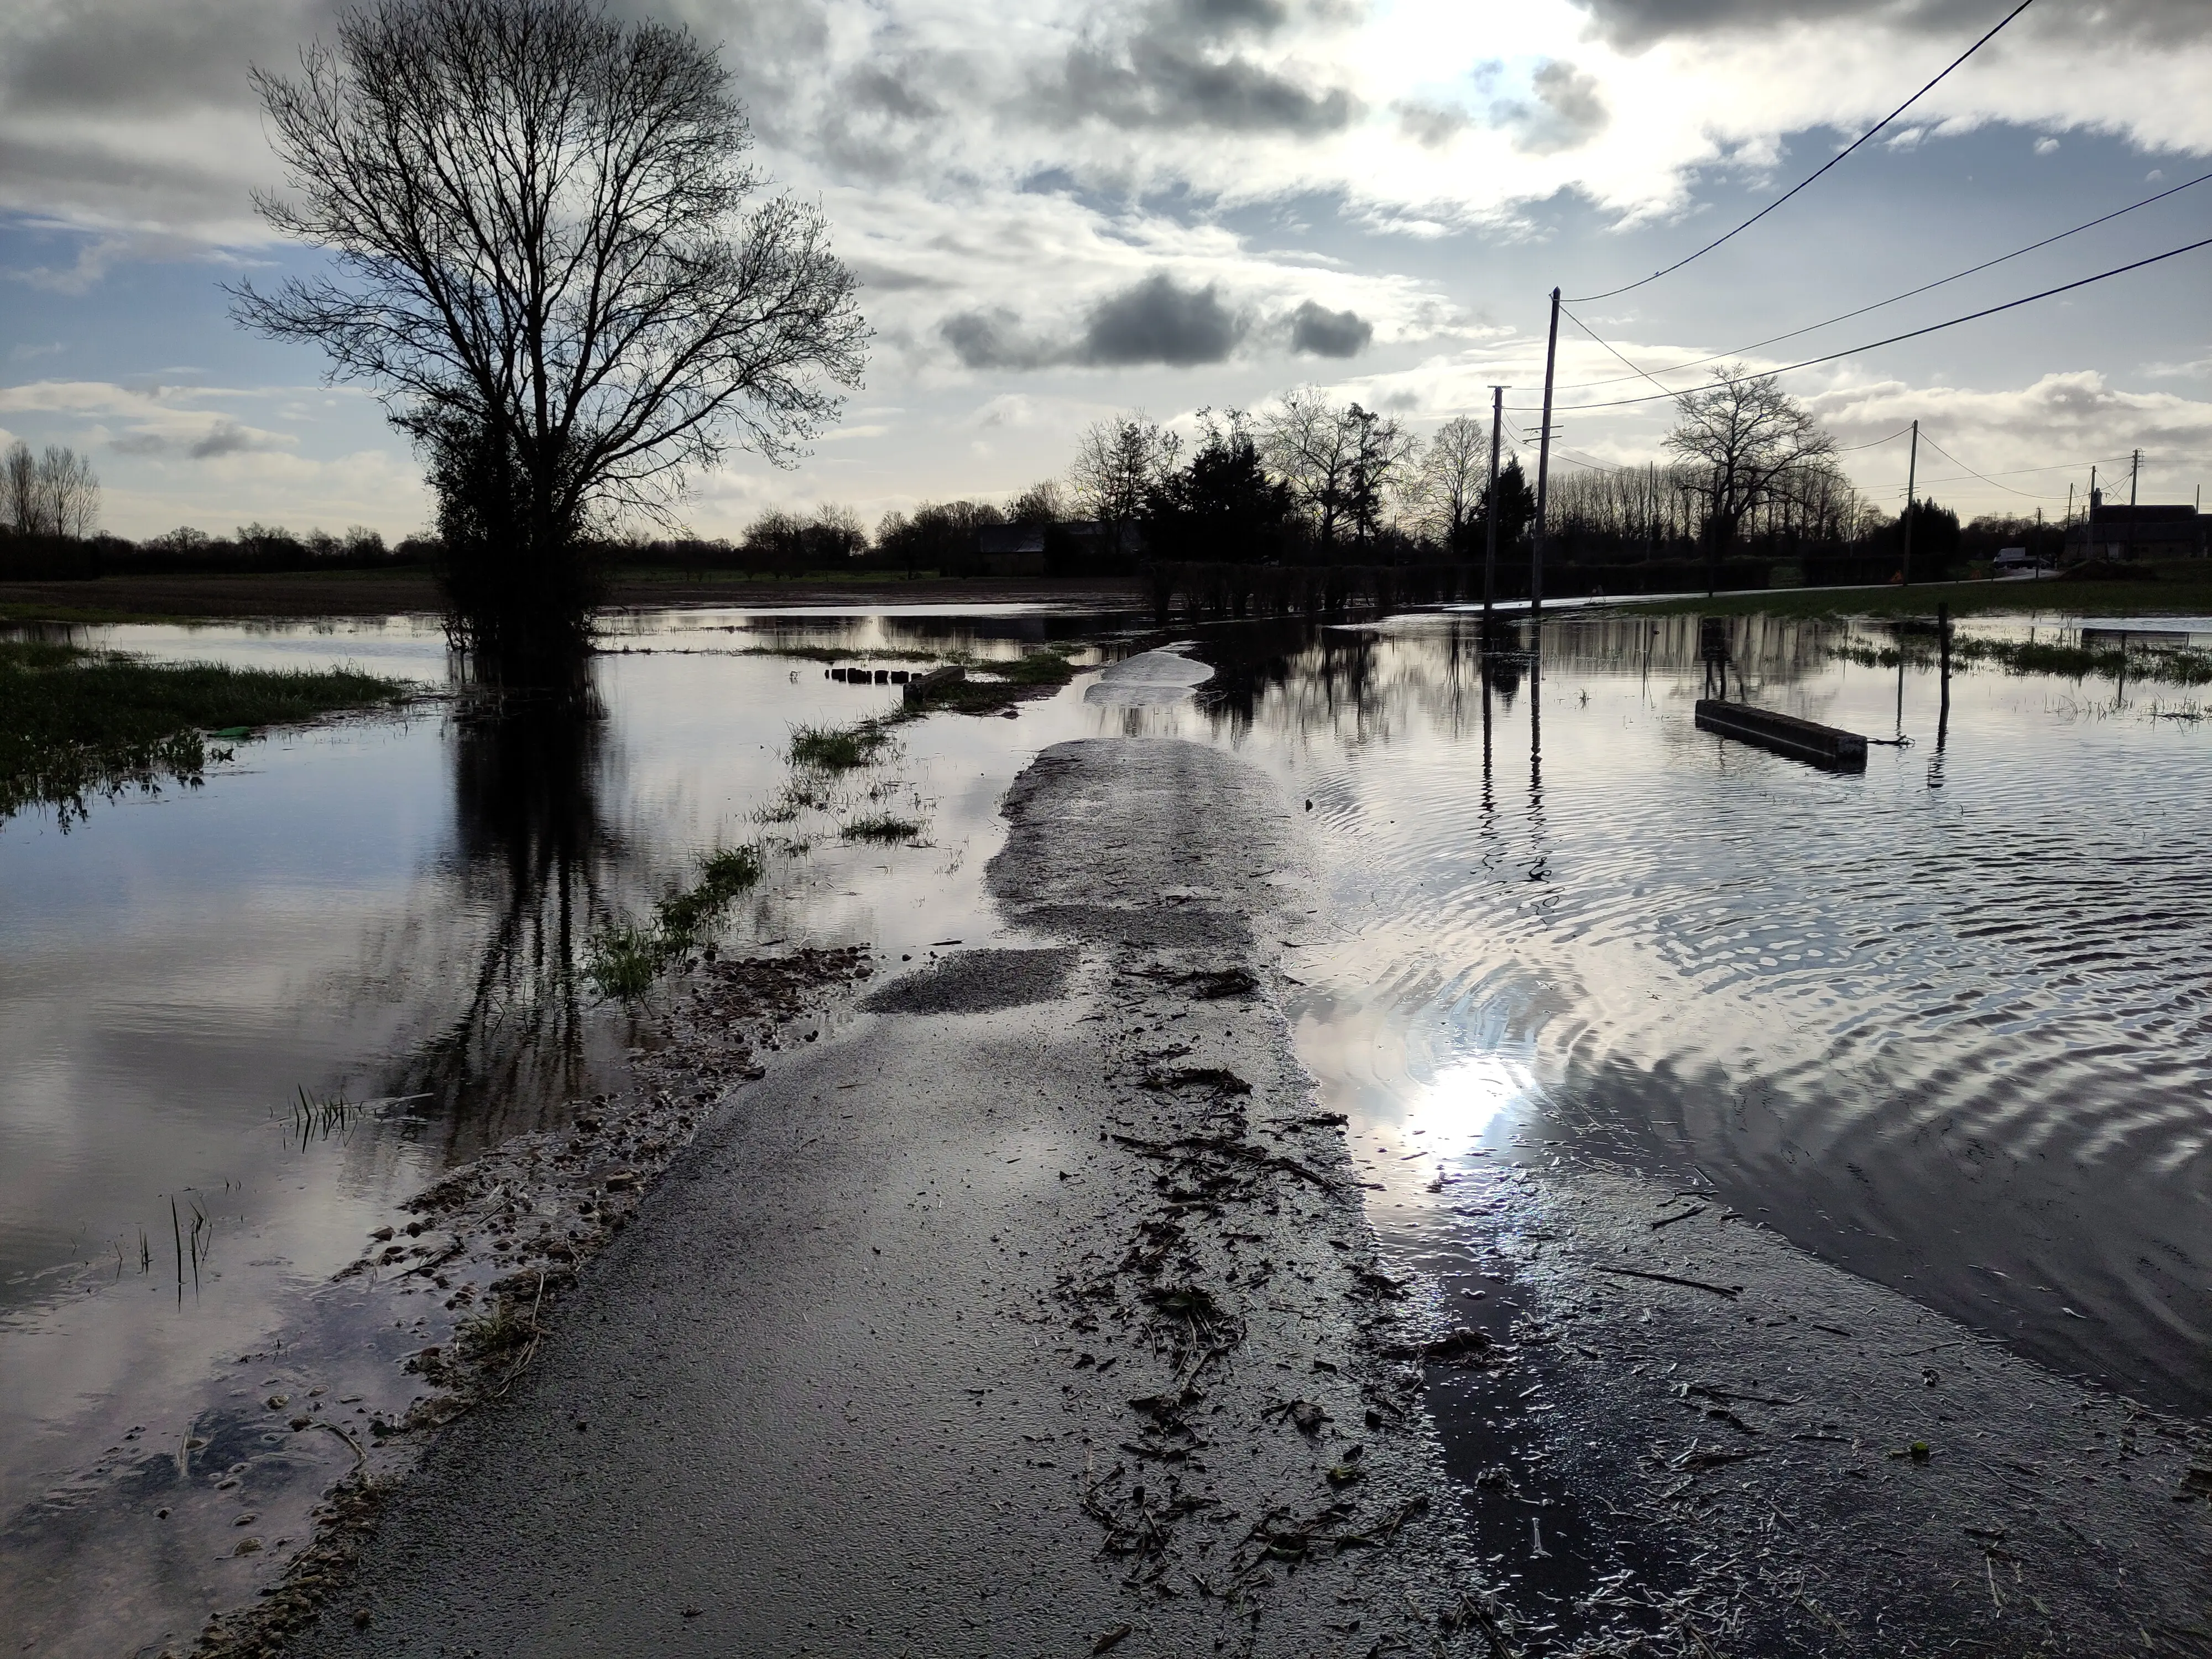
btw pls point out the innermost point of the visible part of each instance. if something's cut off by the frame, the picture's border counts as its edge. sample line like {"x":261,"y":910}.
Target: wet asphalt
{"x":1035,"y":1315}
{"x":1040,"y":1312}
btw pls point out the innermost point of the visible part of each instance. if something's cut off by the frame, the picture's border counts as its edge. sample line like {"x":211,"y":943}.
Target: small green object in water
{"x":233,"y":732}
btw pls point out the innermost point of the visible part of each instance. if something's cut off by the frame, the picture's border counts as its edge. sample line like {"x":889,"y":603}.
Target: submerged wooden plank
{"x":1806,"y":740}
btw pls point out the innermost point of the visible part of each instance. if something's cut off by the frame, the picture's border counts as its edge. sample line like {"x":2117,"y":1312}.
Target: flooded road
{"x":1941,"y":1023}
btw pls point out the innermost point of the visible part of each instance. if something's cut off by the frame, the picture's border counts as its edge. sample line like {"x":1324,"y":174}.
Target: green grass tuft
{"x":622,"y":961}
{"x":81,"y":724}
{"x":836,"y":749}
{"x":882,"y":826}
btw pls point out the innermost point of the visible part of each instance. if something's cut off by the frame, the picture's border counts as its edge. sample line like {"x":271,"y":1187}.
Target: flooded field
{"x":1940,"y":1022}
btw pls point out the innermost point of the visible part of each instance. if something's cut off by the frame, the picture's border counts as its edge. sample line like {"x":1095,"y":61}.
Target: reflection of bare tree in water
{"x":531,"y":859}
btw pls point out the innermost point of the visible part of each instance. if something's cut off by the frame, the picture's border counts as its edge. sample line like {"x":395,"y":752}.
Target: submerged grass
{"x":881,"y":826}
{"x":78,"y":724}
{"x":832,"y":655}
{"x":837,"y":748}
{"x":2165,"y":664}
{"x":622,"y":962}
{"x":2179,"y":592}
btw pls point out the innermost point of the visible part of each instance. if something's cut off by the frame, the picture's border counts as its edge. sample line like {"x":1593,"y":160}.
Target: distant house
{"x":2117,"y":534}
{"x":1011,"y":549}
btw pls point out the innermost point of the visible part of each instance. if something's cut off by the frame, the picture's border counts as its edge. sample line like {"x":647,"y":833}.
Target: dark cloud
{"x":994,"y":339}
{"x":1569,"y":112}
{"x":1635,"y":23}
{"x":1157,"y":321}
{"x":1180,"y":67}
{"x":225,"y":438}
{"x":1328,"y":333}
{"x":139,"y":56}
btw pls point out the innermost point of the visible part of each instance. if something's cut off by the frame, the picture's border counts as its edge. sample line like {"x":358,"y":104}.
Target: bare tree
{"x":1042,"y":503}
{"x":54,"y":495}
{"x":1306,"y":443}
{"x":547,"y":254}
{"x":20,"y":490}
{"x":1340,"y":460}
{"x":1116,"y":461}
{"x":1445,"y":489}
{"x":1743,"y":437}
{"x":72,"y":493}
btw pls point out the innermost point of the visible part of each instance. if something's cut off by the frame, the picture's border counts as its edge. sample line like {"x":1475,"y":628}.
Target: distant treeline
{"x":1312,"y":484}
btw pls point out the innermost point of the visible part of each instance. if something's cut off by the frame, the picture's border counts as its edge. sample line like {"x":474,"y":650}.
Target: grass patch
{"x":881,"y":826}
{"x":622,"y":962}
{"x":77,"y":724}
{"x":1049,"y":667}
{"x":2188,"y":593}
{"x":837,"y":748}
{"x":2167,"y":664}
{"x":831,"y":654}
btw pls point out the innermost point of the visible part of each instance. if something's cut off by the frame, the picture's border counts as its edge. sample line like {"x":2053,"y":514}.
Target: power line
{"x":1830,"y":162}
{"x":1853,"y":449}
{"x":2028,"y":494}
{"x":1911,"y":292}
{"x":1909,"y":334}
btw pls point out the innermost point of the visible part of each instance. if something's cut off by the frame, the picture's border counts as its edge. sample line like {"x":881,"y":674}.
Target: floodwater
{"x":1941,"y":1022}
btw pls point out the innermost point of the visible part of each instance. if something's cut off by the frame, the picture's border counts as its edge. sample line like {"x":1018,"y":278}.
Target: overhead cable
{"x":1909,"y":334}
{"x":1830,"y":162}
{"x":1911,"y":292}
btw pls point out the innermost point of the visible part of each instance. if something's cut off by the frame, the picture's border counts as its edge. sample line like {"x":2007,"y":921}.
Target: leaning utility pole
{"x":1543,"y":478}
{"x":1911,"y":481}
{"x":1490,"y":552}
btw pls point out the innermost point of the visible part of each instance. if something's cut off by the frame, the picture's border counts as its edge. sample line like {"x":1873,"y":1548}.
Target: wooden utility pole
{"x":2134,"y":470}
{"x":1490,"y":553}
{"x":1911,"y":482}
{"x":1543,"y":477}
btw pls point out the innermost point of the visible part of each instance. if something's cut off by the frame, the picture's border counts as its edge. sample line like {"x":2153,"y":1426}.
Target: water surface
{"x":1942,"y":1022}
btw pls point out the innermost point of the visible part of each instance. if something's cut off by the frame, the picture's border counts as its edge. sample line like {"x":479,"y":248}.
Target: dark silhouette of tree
{"x":54,"y":495}
{"x":1744,"y":438}
{"x":1516,"y":503}
{"x":1044,"y":503}
{"x":547,"y":256}
{"x":1222,"y":506}
{"x":1116,"y":461}
{"x":1936,"y":539}
{"x":1338,"y":461}
{"x":937,"y":536}
{"x":1449,"y":478}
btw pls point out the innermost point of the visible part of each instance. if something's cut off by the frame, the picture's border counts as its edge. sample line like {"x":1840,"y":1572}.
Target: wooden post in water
{"x":1943,"y":659}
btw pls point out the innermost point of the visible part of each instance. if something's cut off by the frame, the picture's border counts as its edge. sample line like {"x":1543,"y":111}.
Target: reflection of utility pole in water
{"x":1535,"y":732}
{"x":1484,"y":669}
{"x":1489,"y":550}
{"x":1943,"y":708}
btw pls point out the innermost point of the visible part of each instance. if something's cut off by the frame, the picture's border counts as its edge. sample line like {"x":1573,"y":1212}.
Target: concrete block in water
{"x":919,"y":689}
{"x":1785,"y":734}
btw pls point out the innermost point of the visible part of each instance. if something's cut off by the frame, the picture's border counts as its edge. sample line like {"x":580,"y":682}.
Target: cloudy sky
{"x":1061,"y":208}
